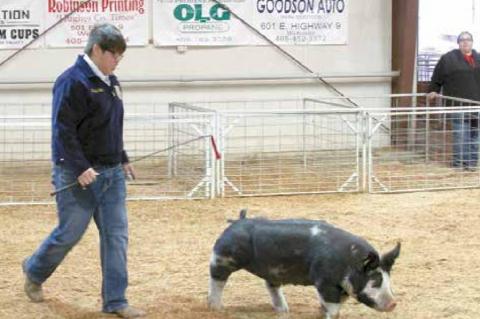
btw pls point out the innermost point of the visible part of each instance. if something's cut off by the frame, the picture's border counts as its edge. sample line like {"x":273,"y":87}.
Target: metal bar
{"x":352,"y":177}
{"x":378,"y":125}
{"x":358,"y":146}
{"x":427,"y":137}
{"x":382,"y":186}
{"x":350,"y":125}
{"x":191,"y":79}
{"x":327,"y":103}
{"x":229,"y":183}
{"x":188,"y":106}
{"x":368,"y":169}
{"x":170,"y":142}
{"x":304,"y":134}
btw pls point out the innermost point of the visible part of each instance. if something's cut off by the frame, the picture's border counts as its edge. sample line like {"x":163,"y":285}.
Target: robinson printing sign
{"x":130,"y":16}
{"x":288,"y":22}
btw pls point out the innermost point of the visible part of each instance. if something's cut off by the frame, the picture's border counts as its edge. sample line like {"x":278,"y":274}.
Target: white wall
{"x":368,"y":50}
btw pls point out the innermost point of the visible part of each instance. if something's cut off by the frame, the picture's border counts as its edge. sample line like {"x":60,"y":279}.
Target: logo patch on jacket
{"x":118,"y":91}
{"x":96,"y":90}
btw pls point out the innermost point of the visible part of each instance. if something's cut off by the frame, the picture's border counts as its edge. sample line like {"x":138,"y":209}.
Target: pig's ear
{"x":371,"y":262}
{"x":388,"y":259}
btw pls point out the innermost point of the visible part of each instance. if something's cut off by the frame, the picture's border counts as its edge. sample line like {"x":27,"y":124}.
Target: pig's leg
{"x":220,"y":269}
{"x":278,"y":299}
{"x":215,"y":291}
{"x":330,"y":299}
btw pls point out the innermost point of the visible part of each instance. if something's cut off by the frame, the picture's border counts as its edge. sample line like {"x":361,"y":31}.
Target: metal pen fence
{"x":426,"y":63}
{"x":423,"y":153}
{"x":392,"y":143}
{"x":273,"y":147}
{"x":24,"y":153}
{"x":277,"y":152}
{"x":412,"y":143}
{"x":171,"y":154}
{"x":169,"y":164}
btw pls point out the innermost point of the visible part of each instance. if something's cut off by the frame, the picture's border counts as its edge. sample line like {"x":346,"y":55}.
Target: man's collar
{"x":96,"y":70}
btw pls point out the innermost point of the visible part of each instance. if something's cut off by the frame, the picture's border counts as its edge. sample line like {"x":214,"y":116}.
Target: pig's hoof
{"x":215,"y":306}
{"x":281,"y":309}
{"x":282,"y":315}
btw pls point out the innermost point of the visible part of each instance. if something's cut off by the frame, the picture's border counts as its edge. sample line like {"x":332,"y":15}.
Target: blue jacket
{"x":87,"y":120}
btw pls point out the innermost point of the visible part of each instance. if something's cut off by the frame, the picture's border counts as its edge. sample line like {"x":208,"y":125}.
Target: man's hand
{"x":432,"y":96}
{"x":87,"y":177}
{"x":129,"y":171}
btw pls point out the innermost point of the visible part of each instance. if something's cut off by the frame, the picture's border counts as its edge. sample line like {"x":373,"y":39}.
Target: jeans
{"x":104,"y":200}
{"x":465,"y":141}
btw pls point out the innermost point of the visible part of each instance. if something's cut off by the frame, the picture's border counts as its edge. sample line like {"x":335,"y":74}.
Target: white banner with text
{"x":286,"y":22}
{"x":130,"y":16}
{"x":21,"y":21}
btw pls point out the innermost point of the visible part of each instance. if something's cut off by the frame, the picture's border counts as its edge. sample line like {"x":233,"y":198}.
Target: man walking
{"x":87,"y":147}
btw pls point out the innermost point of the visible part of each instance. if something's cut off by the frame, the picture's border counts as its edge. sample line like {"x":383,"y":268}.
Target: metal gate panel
{"x":289,"y":152}
{"x":25,"y":153}
{"x":417,"y":153}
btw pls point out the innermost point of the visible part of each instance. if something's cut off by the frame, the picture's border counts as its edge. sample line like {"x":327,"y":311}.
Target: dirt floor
{"x":436,"y":276}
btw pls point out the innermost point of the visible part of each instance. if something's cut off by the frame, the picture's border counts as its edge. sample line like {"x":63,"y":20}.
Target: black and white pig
{"x":303,"y":252}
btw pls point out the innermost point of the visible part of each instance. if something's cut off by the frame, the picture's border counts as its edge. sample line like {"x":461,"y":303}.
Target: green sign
{"x":197,"y":12}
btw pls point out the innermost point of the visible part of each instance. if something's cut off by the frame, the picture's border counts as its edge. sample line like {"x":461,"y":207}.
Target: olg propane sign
{"x":197,"y":12}
{"x":291,"y":22}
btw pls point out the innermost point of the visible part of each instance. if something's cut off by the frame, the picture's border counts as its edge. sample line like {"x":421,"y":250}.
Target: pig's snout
{"x":390,"y":306}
